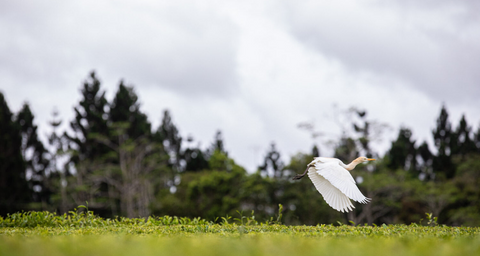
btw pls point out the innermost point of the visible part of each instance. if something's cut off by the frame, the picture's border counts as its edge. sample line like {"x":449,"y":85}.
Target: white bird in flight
{"x":333,"y":180}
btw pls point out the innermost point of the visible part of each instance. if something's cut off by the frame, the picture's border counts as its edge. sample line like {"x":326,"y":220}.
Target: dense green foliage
{"x":112,"y":158}
{"x":82,"y":233}
{"x":14,"y":188}
{"x":48,"y":225}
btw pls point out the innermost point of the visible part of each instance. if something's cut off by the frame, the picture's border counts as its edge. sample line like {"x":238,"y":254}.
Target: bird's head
{"x":363,"y":159}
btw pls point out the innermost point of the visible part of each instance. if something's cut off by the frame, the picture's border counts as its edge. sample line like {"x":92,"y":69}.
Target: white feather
{"x":335,"y":183}
{"x":332,"y":195}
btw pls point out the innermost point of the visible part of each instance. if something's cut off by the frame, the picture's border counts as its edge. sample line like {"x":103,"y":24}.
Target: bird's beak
{"x":370,"y":159}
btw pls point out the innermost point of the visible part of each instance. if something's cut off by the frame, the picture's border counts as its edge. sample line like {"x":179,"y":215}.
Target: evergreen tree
{"x":170,"y":138}
{"x":315,"y":151}
{"x":167,"y":135}
{"x":364,"y":133}
{"x":130,"y":178}
{"x":195,"y":159}
{"x":218,"y":143}
{"x":126,"y":174}
{"x":14,"y":189}
{"x":425,"y":165}
{"x":90,"y":119}
{"x":272,"y":164}
{"x":36,"y":158}
{"x":346,"y":150}
{"x":126,"y":108}
{"x":58,"y":176}
{"x":463,"y":143}
{"x":402,"y":154}
{"x":443,"y":137}
{"x":476,"y":139}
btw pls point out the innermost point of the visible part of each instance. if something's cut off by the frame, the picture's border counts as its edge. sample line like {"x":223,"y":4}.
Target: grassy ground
{"x":85,"y":234}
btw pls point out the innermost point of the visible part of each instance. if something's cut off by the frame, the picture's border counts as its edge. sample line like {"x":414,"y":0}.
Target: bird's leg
{"x":299,"y":176}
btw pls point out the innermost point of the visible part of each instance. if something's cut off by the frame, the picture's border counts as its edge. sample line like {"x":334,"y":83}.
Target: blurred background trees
{"x":112,"y":158}
{"x":15,"y":190}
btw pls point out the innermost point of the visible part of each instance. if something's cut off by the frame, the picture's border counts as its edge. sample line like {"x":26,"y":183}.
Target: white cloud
{"x":154,"y":44}
{"x":252,"y":69}
{"x":427,"y":47}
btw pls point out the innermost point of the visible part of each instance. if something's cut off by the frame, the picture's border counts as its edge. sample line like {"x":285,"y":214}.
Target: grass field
{"x":85,"y":234}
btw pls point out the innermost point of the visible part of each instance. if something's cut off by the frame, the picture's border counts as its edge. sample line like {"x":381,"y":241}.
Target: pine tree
{"x":14,"y":189}
{"x":195,"y":160}
{"x":90,"y":119}
{"x":36,"y":157}
{"x":402,"y":153}
{"x":273,"y":165}
{"x":364,"y":133}
{"x":126,"y":108}
{"x":425,"y":165}
{"x":315,"y":151}
{"x":346,"y":150}
{"x":58,"y":176}
{"x":476,"y":139}
{"x":443,"y":137}
{"x":463,"y":143}
{"x":167,"y":135}
{"x":129,"y":178}
{"x":130,"y":138}
{"x":218,"y":143}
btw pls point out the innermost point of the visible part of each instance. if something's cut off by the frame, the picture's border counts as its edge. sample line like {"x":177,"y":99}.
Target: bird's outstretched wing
{"x":332,"y":195}
{"x":340,"y":178}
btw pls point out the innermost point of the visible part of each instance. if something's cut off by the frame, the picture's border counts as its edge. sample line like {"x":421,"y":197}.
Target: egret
{"x":333,"y":180}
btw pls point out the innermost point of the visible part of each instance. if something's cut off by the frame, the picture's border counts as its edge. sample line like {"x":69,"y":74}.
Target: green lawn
{"x":84,"y":234}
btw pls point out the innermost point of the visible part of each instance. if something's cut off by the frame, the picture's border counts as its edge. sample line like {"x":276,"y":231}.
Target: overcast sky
{"x":253,"y":69}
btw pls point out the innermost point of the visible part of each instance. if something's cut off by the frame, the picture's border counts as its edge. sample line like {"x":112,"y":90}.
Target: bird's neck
{"x":351,"y":165}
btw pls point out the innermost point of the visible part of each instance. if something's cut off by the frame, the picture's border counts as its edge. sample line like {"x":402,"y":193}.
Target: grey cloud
{"x":190,"y":50}
{"x":440,"y":58}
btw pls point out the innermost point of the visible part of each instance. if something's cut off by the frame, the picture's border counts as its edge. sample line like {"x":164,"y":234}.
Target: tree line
{"x":112,"y":158}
